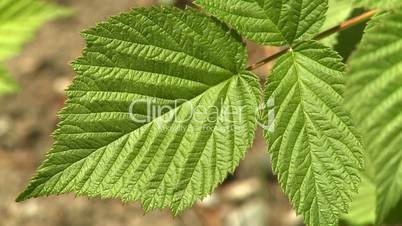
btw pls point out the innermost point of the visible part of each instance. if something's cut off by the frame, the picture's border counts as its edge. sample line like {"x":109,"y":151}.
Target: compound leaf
{"x":314,"y":147}
{"x":270,"y":22}
{"x":375,"y":96}
{"x":108,"y":144}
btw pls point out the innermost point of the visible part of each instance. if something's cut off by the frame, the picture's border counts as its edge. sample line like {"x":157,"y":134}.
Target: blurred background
{"x":251,"y":197}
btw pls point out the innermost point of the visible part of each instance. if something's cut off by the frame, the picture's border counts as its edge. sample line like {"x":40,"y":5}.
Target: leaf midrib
{"x":306,"y":119}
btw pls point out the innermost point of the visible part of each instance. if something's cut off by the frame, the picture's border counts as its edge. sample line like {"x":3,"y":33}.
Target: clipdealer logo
{"x":142,"y":111}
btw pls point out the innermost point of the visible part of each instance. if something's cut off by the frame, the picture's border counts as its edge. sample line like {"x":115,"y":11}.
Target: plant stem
{"x":343,"y":26}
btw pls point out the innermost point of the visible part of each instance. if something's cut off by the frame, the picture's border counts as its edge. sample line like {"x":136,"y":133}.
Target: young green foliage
{"x":315,"y":150}
{"x":107,"y":145}
{"x":374,"y":95}
{"x":171,"y":160}
{"x":324,"y":141}
{"x":270,"y":22}
{"x":18,"y":22}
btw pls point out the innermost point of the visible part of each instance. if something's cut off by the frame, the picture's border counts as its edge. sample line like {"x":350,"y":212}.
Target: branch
{"x":343,"y":26}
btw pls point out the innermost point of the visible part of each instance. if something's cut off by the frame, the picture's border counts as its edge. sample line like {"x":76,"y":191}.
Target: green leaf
{"x":20,"y":19}
{"x":343,"y":42}
{"x":348,"y":40}
{"x":395,"y":217}
{"x":375,"y":96}
{"x":7,"y":83}
{"x":270,"y":22}
{"x":363,"y":206}
{"x":384,"y":4}
{"x":156,"y":56}
{"x":315,"y":150}
{"x":338,"y":12}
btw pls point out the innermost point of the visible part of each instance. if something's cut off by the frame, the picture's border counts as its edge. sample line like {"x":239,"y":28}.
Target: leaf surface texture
{"x":314,"y":147}
{"x":157,"y":56}
{"x":270,"y":22}
{"x":374,"y":95}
